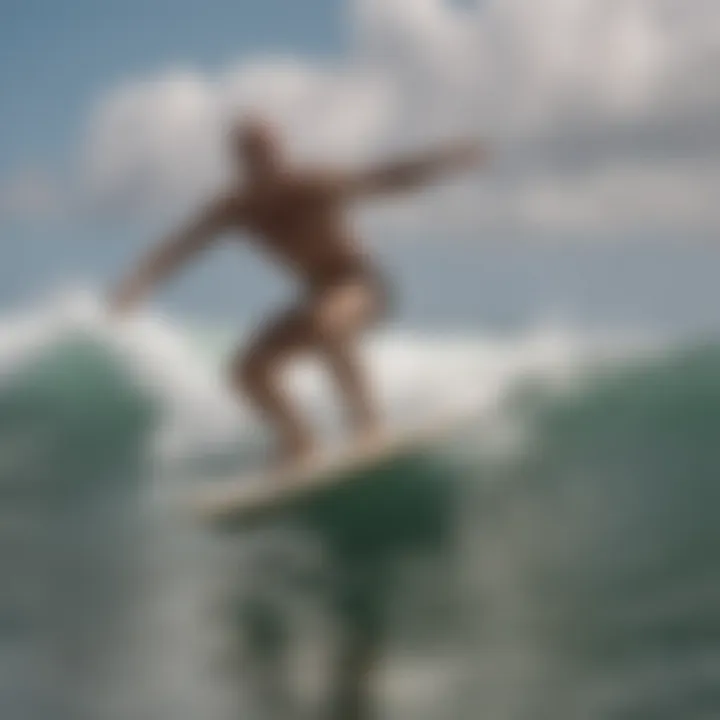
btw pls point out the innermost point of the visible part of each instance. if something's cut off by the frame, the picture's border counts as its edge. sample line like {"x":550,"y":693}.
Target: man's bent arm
{"x":415,"y":172}
{"x":168,"y":256}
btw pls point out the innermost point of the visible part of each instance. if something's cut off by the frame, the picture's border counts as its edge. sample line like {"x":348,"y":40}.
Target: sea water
{"x":557,"y":558}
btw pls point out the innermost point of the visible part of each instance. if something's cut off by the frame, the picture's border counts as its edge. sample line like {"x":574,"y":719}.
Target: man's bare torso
{"x":300,"y":221}
{"x":297,"y":216}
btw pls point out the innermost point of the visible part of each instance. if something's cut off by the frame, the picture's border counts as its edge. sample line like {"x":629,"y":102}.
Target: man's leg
{"x":344,"y":362}
{"x":330,"y":324}
{"x":341,"y":315}
{"x":258,"y":373}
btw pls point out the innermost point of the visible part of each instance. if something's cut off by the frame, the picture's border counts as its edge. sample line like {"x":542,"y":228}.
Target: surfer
{"x":297,"y":216}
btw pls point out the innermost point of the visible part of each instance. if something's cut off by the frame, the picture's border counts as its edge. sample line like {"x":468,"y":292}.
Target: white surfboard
{"x":246,"y":499}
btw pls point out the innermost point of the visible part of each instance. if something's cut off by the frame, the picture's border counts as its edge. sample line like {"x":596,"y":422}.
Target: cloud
{"x":161,"y":140}
{"x":523,"y":67}
{"x":646,"y":200}
{"x":603,"y":113}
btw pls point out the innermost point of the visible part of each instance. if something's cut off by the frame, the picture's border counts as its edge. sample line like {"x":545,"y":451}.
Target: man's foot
{"x":368,"y":434}
{"x":301,"y":452}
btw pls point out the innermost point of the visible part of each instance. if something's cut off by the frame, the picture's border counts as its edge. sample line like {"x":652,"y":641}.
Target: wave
{"x":563,"y":547}
{"x":55,"y":349}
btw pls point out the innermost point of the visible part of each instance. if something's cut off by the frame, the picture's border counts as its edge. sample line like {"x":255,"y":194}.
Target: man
{"x":298,"y":217}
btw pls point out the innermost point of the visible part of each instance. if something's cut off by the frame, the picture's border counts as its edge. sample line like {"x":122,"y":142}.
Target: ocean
{"x":557,"y":558}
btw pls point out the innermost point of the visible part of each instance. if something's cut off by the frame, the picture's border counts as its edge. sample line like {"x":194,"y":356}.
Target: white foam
{"x":416,"y":375}
{"x":156,"y":353}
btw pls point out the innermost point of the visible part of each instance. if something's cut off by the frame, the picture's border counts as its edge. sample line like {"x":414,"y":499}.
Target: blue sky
{"x":57,"y":57}
{"x":602,"y":118}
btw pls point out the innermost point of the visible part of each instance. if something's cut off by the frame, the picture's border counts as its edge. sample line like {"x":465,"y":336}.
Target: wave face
{"x":557,"y":558}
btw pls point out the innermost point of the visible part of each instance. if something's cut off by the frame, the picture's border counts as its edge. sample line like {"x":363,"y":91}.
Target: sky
{"x":602,"y":116}
{"x":57,"y":59}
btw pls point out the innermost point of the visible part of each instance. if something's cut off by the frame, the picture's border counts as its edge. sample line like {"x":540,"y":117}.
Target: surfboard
{"x":247,"y":500}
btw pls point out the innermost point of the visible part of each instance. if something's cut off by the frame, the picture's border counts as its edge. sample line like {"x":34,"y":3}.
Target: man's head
{"x":255,"y":146}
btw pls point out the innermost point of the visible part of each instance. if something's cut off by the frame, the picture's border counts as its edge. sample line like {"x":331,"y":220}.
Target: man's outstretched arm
{"x":169,"y":256}
{"x":415,"y":172}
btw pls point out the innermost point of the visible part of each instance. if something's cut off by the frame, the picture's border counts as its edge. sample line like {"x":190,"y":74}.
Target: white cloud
{"x":669,"y":200}
{"x":153,"y":140}
{"x":645,"y":199}
{"x":161,"y":140}
{"x":592,"y":106}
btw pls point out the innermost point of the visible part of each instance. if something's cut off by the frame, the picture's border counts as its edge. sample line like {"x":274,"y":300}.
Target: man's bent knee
{"x":344,"y":313}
